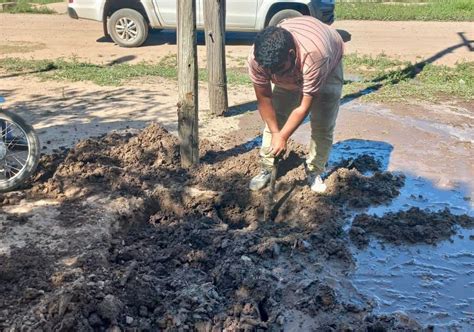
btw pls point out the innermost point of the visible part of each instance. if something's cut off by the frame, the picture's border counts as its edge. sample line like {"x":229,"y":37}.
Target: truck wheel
{"x":283,"y":15}
{"x":128,"y":28}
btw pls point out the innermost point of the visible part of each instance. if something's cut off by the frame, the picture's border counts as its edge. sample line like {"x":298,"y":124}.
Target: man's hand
{"x":278,"y":144}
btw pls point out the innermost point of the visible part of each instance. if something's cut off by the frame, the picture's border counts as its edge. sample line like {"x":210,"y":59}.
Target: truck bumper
{"x":323,"y":10}
{"x":72,"y":13}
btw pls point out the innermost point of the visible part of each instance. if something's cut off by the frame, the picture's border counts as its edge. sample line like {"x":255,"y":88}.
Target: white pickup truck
{"x":127,"y":21}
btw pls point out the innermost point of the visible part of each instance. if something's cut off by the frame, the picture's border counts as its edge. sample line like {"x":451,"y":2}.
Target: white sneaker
{"x":260,"y":181}
{"x":316,"y":183}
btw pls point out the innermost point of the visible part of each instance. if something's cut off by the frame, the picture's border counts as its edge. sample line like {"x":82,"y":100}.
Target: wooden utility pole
{"x":187,"y":83}
{"x":214,"y":25}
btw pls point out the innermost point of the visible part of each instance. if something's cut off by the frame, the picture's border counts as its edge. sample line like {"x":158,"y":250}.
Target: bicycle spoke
{"x":11,"y":142}
{"x":16,"y":153}
{"x":8,"y":124}
{"x":8,"y":170}
{"x":6,"y":129}
{"x":14,"y":143}
{"x":3,"y":170}
{"x":13,"y":167}
{"x":17,"y":160}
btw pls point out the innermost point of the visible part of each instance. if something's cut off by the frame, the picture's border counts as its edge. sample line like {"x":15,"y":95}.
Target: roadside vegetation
{"x":29,"y":6}
{"x":428,"y":10}
{"x":383,"y":79}
{"x":112,"y":75}
{"x":378,"y":78}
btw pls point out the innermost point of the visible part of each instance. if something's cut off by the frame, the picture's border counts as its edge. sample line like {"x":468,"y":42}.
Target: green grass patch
{"x":430,"y":10}
{"x":386,"y":80}
{"x":112,"y":75}
{"x":369,"y":78}
{"x":30,"y":6}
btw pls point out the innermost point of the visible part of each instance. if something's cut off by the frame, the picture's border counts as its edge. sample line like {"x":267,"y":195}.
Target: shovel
{"x":269,"y":200}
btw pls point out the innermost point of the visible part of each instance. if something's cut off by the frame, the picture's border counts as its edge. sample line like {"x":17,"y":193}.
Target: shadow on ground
{"x":169,"y":37}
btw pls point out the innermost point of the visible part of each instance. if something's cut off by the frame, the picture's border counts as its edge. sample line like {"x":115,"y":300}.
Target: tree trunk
{"x":187,"y":83}
{"x":214,"y":25}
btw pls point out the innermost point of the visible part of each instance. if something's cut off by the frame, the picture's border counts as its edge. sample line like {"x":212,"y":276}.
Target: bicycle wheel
{"x":19,"y":150}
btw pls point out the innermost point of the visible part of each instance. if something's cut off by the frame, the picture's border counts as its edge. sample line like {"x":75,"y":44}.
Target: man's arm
{"x":265,"y":106}
{"x":296,"y":117}
{"x":267,"y":112}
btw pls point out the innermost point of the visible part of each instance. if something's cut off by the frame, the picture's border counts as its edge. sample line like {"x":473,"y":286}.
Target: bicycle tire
{"x":33,"y":151}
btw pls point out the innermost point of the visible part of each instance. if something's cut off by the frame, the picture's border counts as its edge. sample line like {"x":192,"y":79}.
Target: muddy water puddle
{"x":431,"y":283}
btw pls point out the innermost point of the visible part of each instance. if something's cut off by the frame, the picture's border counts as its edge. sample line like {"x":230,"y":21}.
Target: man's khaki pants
{"x":323,"y":114}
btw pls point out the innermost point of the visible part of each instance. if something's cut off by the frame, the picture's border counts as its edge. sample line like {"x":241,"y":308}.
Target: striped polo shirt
{"x":319,"y":50}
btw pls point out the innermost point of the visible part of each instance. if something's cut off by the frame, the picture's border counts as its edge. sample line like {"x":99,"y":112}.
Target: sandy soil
{"x":52,"y":36}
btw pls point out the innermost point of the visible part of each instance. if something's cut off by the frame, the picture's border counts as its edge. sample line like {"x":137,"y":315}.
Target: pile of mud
{"x":189,"y":249}
{"x":363,"y":164}
{"x":411,"y":226}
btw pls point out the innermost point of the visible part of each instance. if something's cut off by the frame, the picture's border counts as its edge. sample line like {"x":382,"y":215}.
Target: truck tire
{"x":283,"y":15}
{"x":128,"y":28}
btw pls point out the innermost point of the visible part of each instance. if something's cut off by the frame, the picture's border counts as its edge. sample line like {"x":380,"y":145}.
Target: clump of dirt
{"x":356,"y":190}
{"x":411,"y":226}
{"x":192,"y":251}
{"x":47,"y":166}
{"x":24,"y":279}
{"x":121,"y":164}
{"x":363,"y":164}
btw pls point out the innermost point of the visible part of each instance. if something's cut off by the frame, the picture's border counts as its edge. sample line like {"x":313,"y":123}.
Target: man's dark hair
{"x":271,"y":48}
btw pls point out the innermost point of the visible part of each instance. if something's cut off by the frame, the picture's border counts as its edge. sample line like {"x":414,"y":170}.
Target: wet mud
{"x":187,"y":249}
{"x":411,"y":226}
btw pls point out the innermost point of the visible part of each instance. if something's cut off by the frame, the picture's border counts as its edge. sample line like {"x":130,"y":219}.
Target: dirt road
{"x":52,"y":36}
